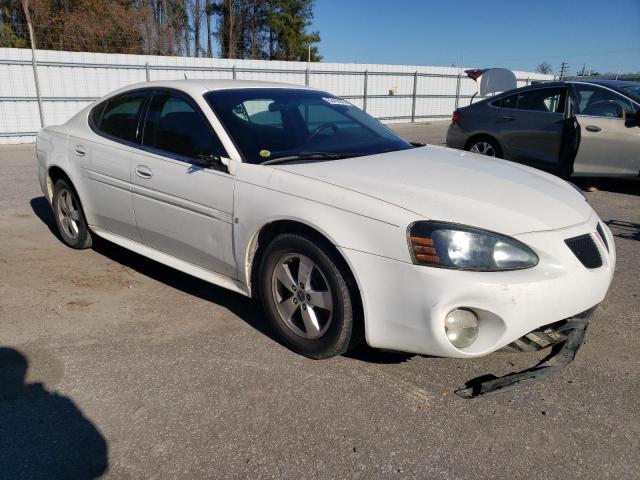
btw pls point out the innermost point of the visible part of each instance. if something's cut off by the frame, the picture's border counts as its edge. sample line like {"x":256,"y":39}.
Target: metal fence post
{"x":307,"y":74}
{"x":146,"y":69}
{"x":233,"y":72}
{"x":364,"y":99}
{"x":458,"y":90}
{"x":413,"y":100}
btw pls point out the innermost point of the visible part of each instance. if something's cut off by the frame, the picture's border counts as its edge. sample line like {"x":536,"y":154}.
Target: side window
{"x":510,"y":102}
{"x":550,"y":100}
{"x":96,"y":115}
{"x":174,"y":125}
{"x":120,"y":116}
{"x":599,"y":102}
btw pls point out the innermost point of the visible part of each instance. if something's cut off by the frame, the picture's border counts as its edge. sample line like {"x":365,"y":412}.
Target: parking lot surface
{"x":135,"y":370}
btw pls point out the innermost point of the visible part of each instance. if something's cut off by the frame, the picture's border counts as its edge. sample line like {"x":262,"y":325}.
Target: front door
{"x":531,"y":125}
{"x":610,"y":137}
{"x":182,"y":208}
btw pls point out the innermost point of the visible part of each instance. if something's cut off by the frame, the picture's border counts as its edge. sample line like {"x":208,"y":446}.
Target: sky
{"x":513,"y":34}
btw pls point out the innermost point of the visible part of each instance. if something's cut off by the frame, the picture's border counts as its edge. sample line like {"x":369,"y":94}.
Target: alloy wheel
{"x":483,"y":148}
{"x":302,"y":295}
{"x":68,"y":213}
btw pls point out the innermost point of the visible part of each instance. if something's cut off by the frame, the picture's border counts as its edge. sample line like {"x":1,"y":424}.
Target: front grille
{"x":586,"y":250}
{"x":600,"y":231}
{"x":547,"y":335}
{"x":540,"y":338}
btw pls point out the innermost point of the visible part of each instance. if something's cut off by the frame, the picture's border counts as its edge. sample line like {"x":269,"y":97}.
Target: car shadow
{"x":622,"y":229}
{"x":43,"y":211}
{"x":249,"y":310}
{"x":44,"y":434}
{"x":365,"y":353}
{"x":614,"y":185}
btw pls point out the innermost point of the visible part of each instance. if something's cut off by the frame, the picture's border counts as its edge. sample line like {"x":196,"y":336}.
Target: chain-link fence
{"x":58,"y":84}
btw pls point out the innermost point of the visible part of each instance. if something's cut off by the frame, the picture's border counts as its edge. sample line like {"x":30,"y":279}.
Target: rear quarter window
{"x":118,"y":116}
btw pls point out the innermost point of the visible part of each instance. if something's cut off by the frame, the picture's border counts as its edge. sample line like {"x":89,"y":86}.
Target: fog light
{"x":461,"y":327}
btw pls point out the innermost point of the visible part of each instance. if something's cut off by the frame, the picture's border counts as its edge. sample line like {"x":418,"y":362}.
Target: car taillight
{"x":456,"y":116}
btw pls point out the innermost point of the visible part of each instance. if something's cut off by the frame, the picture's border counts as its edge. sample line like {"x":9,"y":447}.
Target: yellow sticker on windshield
{"x":265,"y":153}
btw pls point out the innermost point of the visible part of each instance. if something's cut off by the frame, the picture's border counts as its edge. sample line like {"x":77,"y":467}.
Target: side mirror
{"x":213,"y":162}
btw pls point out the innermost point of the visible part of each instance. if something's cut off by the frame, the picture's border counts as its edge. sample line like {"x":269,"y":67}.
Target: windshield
{"x":270,"y":123}
{"x":632,"y":91}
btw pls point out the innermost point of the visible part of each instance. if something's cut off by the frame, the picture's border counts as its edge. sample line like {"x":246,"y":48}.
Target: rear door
{"x":610,"y":138}
{"x":104,"y":154}
{"x":182,"y":208}
{"x":530,"y":125}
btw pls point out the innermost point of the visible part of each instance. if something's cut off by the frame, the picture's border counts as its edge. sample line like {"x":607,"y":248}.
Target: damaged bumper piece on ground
{"x":565,"y":337}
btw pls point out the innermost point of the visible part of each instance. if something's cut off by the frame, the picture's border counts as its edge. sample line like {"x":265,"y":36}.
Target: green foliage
{"x":9,"y":38}
{"x":266,"y":29}
{"x":257,"y":29}
{"x":287,"y":23}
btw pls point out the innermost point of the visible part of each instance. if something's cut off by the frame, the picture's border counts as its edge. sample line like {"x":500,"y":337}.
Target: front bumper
{"x":562,"y":354}
{"x":405,"y":304}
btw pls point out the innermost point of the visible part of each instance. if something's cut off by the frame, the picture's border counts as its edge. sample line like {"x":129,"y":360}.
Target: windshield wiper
{"x":310,"y":156}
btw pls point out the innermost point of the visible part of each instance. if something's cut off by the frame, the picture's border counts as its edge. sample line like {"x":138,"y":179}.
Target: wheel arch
{"x":263,"y":236}
{"x":483,"y":135}
{"x":55,"y":173}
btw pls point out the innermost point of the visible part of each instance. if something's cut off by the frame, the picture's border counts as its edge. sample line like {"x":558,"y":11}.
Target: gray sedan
{"x":570,"y":128}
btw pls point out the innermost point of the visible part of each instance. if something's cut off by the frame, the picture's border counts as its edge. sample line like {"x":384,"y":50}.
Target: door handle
{"x":593,"y":128}
{"x":506,"y":117}
{"x":79,"y":151}
{"x":143,"y":171}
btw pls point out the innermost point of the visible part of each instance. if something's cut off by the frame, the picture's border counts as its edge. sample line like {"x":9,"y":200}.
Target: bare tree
{"x":544,"y":68}
{"x":197,"y":19}
{"x":208,"y":10}
{"x":186,"y":28}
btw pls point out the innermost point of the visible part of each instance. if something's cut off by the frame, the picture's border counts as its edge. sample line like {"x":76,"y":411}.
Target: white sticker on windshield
{"x":335,"y":101}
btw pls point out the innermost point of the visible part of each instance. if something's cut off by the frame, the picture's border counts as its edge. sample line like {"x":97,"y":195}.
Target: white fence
{"x":69,"y":81}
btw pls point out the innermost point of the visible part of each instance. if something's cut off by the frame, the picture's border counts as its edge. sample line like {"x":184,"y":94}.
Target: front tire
{"x":309,"y":297}
{"x":69,"y":216}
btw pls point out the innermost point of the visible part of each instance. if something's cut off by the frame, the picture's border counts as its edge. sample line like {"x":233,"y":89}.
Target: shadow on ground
{"x":247,"y":309}
{"x":43,"y":434}
{"x":615,"y":185}
{"x":628,"y":230}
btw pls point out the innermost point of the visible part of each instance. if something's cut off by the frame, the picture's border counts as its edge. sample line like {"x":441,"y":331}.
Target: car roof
{"x":615,"y":84}
{"x":197,"y":87}
{"x":612,"y":84}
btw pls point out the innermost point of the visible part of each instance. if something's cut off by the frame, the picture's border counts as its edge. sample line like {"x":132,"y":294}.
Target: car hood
{"x":451,"y":185}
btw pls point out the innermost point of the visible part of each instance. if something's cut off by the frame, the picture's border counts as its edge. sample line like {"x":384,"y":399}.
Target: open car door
{"x":609,"y":137}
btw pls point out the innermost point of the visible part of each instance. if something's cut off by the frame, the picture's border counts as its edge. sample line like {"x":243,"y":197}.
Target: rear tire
{"x":484,"y":146}
{"x":69,"y":216}
{"x":309,"y":297}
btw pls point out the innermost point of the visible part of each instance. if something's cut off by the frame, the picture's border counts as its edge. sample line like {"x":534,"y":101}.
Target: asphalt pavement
{"x":111,"y":364}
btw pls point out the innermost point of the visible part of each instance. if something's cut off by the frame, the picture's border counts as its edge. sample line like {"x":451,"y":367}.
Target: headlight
{"x":449,"y":245}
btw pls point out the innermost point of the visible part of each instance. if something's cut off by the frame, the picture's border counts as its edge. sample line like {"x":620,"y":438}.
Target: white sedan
{"x":342,"y":228}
